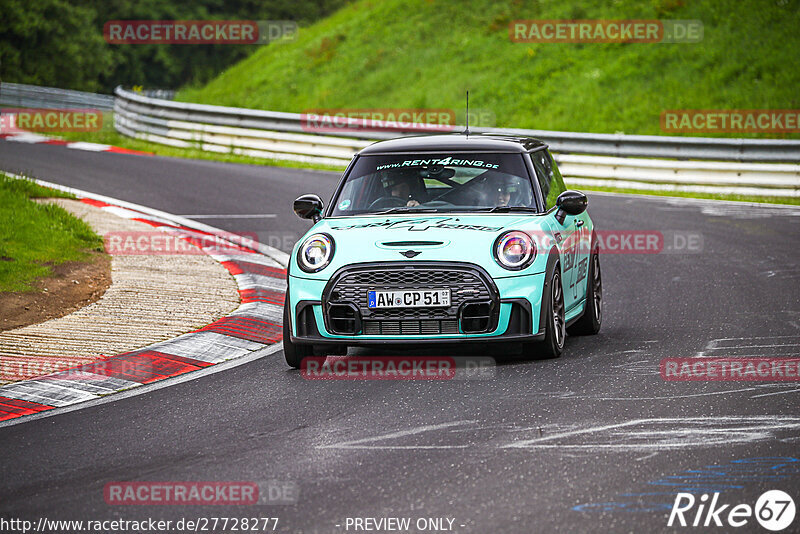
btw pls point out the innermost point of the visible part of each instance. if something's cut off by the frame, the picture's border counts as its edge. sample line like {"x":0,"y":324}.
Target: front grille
{"x":464,"y":286}
{"x":466,"y":283}
{"x":396,"y":328}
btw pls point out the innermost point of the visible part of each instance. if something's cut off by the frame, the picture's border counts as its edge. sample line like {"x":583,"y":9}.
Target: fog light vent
{"x":476,"y":317}
{"x":344,"y":318}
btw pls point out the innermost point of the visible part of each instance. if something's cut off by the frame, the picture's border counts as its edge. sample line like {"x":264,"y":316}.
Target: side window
{"x":549,"y":177}
{"x":347,"y":193}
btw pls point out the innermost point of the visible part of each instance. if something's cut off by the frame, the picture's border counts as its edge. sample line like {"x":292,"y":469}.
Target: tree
{"x":51,"y":42}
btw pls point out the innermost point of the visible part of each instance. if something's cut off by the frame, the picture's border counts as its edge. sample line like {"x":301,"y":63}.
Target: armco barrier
{"x":753,"y":179}
{"x":586,"y":159}
{"x":620,"y":145}
{"x":18,"y":95}
{"x":744,"y":166}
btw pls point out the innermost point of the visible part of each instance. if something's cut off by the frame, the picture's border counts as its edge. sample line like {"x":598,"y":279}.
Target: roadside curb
{"x":255,"y":325}
{"x":34,"y":138}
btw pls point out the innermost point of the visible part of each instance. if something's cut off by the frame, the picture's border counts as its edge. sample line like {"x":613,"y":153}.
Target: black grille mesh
{"x":429,"y":327}
{"x":464,"y":285}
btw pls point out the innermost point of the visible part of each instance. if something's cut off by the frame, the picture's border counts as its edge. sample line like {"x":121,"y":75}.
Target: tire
{"x":592,"y":318}
{"x":293,"y":352}
{"x":554,"y":332}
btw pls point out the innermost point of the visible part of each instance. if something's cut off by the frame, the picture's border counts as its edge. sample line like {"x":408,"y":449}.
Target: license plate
{"x":409,"y":298}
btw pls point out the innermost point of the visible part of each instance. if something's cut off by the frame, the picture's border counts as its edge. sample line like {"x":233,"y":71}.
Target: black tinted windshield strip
{"x":440,"y":151}
{"x":416,"y":213}
{"x":516,"y":168}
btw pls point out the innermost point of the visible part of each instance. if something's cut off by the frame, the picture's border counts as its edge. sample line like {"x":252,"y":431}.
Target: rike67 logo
{"x":774,"y":510}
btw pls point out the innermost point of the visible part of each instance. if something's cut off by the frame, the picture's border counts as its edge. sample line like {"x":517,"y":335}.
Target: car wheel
{"x":293,"y":352}
{"x":555,"y":332}
{"x":592,"y":318}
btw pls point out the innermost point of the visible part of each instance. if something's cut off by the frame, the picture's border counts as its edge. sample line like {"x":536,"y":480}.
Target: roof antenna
{"x":466,"y":130}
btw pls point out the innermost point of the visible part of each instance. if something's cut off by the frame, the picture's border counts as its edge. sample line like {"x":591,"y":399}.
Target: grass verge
{"x":425,"y":54}
{"x":36,"y":237}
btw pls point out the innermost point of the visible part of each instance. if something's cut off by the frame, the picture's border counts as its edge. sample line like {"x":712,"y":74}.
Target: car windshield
{"x":454,"y":182}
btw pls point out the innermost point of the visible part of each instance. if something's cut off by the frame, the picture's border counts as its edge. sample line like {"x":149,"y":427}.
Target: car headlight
{"x":315,"y":253}
{"x":514,"y":250}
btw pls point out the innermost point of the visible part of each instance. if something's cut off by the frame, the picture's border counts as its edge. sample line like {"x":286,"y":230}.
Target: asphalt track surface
{"x":595,"y":441}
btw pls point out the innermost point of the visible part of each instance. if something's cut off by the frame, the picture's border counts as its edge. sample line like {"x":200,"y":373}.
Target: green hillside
{"x":426,"y":53}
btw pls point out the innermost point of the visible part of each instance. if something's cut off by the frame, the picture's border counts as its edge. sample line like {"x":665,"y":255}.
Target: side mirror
{"x":570,"y":203}
{"x":308,"y":207}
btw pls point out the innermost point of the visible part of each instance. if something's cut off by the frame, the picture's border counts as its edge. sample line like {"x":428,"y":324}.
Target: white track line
{"x":362,"y":443}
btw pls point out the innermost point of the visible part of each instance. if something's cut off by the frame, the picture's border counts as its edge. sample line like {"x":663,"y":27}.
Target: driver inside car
{"x":400,"y":186}
{"x":503,"y":188}
{"x":503,"y":196}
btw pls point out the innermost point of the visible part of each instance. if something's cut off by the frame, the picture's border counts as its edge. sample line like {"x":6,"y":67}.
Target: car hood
{"x":409,"y":238}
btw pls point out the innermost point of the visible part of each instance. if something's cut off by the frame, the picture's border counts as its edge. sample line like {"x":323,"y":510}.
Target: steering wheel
{"x":387,"y":202}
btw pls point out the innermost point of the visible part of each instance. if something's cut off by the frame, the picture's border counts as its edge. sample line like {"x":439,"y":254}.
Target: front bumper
{"x":334,"y":312}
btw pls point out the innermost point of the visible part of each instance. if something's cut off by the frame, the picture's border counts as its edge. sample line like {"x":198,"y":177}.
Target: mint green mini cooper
{"x":444,"y":239}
